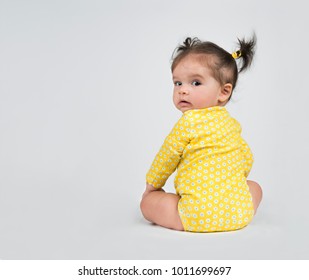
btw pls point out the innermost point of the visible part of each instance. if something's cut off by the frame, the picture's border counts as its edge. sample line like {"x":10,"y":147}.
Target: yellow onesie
{"x":212,"y":162}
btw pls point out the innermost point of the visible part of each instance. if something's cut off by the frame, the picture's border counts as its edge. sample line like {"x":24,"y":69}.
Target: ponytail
{"x":246,"y":50}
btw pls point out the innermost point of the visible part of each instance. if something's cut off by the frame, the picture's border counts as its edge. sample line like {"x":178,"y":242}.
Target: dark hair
{"x":222,"y":63}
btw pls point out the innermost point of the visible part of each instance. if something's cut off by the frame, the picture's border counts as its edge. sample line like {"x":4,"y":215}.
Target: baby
{"x":205,"y":146}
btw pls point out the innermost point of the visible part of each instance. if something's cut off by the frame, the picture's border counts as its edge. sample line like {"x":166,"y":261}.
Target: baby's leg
{"x":256,"y":193}
{"x":161,"y":208}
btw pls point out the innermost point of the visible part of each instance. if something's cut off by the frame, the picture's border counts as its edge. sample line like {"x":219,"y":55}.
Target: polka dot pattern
{"x":212,"y":161}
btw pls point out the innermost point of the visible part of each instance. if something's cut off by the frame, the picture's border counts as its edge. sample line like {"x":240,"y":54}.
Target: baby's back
{"x":211,"y":175}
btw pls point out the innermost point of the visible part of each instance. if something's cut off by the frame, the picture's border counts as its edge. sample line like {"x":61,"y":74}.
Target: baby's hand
{"x":149,"y":189}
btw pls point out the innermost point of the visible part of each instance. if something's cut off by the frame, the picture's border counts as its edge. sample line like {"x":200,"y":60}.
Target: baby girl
{"x":212,"y":159}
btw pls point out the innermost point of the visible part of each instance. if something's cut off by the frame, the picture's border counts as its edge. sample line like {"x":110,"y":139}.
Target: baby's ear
{"x":226,"y":91}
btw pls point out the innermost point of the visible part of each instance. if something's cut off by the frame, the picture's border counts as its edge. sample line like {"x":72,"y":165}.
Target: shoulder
{"x":207,"y":114}
{"x":183,"y":125}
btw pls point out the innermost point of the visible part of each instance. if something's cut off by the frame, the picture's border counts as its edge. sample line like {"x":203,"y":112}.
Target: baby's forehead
{"x":193,"y":64}
{"x":200,"y":58}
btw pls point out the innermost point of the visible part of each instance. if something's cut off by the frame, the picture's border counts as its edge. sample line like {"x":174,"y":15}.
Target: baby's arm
{"x":157,"y":206}
{"x":247,"y":157}
{"x":167,"y":159}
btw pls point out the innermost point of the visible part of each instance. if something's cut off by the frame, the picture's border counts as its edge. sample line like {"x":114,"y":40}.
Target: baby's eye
{"x":177,"y":83}
{"x":196,"y":83}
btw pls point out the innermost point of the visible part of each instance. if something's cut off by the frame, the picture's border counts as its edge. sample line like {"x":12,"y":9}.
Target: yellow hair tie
{"x":236,"y":55}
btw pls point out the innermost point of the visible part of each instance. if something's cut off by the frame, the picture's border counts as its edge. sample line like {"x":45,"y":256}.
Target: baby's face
{"x":194,"y":86}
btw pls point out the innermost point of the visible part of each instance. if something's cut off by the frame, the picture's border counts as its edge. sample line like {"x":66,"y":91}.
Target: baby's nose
{"x":184,"y":89}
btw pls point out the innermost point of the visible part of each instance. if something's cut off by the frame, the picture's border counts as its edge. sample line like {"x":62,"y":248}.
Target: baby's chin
{"x":185,"y":107}
{"x":183,"y":110}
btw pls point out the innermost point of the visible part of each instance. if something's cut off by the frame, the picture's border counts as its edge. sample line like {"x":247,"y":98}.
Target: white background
{"x":86,"y":102}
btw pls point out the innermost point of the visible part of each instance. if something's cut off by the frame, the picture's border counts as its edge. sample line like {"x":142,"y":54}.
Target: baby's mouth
{"x":184,"y":102}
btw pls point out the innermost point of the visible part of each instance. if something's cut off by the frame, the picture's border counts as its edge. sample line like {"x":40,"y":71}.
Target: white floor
{"x":90,"y":233}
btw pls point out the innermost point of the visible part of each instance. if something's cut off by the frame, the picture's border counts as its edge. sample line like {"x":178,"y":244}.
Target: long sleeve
{"x":248,"y":157}
{"x":168,"y":157}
